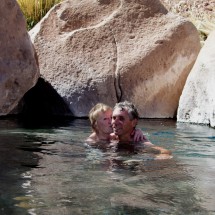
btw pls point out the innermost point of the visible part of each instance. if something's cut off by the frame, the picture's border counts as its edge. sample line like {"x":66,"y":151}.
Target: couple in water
{"x":117,"y":128}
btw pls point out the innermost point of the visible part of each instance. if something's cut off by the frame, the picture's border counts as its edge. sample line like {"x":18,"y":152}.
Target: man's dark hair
{"x":132,"y":110}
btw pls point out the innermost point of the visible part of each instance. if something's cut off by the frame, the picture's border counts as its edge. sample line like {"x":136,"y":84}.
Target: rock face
{"x":114,"y":50}
{"x":197,"y":102}
{"x":18,"y":66}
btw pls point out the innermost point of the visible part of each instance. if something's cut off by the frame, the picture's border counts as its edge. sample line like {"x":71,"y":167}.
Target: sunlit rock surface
{"x":197,"y":103}
{"x":112,"y":50}
{"x":19,"y":69}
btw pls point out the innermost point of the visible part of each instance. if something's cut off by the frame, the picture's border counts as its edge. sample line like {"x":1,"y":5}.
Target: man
{"x":124,"y":120}
{"x":100,"y":118}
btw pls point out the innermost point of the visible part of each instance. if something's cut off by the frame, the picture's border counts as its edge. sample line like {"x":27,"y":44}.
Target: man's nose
{"x":114,"y":120}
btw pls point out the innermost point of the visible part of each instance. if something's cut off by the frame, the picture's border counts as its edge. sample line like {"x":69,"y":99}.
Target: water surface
{"x":48,"y":169}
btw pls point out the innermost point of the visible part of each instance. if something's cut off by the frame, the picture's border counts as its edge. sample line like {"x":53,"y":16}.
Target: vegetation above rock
{"x":200,"y":12}
{"x":35,"y":10}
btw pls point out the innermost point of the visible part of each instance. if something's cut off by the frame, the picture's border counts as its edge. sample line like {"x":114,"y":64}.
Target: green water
{"x":48,"y":169}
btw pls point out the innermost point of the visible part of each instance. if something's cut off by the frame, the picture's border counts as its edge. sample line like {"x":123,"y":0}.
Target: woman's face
{"x":103,"y":123}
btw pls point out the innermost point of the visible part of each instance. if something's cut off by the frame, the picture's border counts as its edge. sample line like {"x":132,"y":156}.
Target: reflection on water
{"x":48,"y":169}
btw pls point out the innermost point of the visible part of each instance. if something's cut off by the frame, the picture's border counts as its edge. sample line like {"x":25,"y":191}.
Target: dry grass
{"x":35,"y":10}
{"x":200,"y":12}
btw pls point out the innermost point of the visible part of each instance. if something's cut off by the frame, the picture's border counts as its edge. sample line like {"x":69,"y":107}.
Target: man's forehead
{"x":120,"y":111}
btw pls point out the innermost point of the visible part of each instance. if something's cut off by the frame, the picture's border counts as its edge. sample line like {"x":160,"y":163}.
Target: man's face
{"x":122,"y":125}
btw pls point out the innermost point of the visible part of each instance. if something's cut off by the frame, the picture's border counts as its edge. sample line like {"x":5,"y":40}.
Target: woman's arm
{"x":138,"y":136}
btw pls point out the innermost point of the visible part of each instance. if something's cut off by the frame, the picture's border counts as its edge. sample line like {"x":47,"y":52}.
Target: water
{"x":47,"y":169}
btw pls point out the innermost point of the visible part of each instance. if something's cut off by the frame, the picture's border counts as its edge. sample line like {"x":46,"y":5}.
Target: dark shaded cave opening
{"x":43,"y":102}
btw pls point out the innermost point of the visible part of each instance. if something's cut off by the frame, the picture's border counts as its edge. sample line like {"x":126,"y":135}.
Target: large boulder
{"x":19,"y":68}
{"x":114,"y":50}
{"x":197,"y":102}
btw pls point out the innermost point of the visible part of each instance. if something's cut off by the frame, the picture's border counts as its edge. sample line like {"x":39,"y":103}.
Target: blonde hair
{"x":95,"y":111}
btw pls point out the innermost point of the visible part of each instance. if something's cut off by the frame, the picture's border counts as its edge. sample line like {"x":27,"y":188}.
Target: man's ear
{"x":134,"y":123}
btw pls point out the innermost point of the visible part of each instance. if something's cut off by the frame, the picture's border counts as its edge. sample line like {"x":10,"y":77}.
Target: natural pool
{"x":47,"y":169}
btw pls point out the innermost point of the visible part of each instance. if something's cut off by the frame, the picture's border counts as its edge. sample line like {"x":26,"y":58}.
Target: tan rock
{"x":112,"y":50}
{"x":197,"y":102}
{"x":18,"y":66}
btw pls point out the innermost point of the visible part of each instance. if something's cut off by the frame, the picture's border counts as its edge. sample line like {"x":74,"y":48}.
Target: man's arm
{"x":156,"y":149}
{"x":159,"y":153}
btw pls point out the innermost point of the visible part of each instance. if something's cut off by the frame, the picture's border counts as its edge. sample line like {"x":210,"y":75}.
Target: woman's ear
{"x":94,"y":126}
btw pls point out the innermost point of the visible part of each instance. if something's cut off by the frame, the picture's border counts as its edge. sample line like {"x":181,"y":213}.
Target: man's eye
{"x":121,"y":118}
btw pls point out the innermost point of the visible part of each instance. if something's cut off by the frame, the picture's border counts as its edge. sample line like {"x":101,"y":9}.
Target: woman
{"x":100,"y":118}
